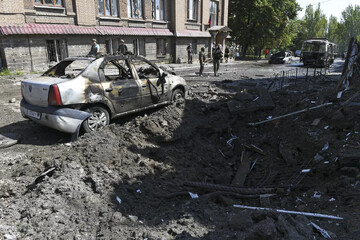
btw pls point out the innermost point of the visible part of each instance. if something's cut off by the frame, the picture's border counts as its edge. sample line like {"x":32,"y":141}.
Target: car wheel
{"x":177,"y":94}
{"x":99,"y":119}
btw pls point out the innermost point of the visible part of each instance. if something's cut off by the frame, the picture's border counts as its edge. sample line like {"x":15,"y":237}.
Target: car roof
{"x":111,"y":58}
{"x":78,"y":58}
{"x":107,"y":57}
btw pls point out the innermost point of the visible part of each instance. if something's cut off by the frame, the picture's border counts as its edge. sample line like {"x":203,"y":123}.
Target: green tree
{"x":350,"y":24}
{"x":301,"y":35}
{"x":291,"y":31}
{"x":333,"y":30}
{"x":315,"y":22}
{"x":258,"y":23}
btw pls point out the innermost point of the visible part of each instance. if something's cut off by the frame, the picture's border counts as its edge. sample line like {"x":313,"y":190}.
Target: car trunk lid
{"x":36,"y":91}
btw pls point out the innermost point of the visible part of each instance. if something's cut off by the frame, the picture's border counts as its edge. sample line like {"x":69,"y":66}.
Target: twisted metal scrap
{"x":224,"y":188}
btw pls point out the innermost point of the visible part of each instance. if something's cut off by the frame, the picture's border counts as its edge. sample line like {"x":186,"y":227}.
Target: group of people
{"x":217,"y":55}
{"x":95,"y":48}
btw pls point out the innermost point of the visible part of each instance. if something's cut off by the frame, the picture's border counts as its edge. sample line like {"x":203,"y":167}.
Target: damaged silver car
{"x":87,"y":92}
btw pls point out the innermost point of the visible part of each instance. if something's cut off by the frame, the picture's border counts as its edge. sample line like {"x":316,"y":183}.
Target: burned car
{"x":281,"y":57}
{"x":84,"y":92}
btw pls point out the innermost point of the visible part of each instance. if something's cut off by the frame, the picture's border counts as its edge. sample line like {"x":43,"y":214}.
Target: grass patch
{"x":18,"y":72}
{"x":5,"y":72}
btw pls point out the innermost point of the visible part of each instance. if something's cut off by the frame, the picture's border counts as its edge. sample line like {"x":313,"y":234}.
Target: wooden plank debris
{"x":242,"y":171}
{"x":254,"y":148}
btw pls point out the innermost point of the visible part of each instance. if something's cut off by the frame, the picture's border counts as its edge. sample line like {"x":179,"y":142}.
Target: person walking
{"x":213,"y":49}
{"x":122,"y":49}
{"x":217,"y":55}
{"x":95,"y":49}
{"x":227,"y":53}
{"x":202,"y":59}
{"x":190,"y":52}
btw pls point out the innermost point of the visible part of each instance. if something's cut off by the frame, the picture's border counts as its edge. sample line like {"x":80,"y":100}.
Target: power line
{"x":325,"y":1}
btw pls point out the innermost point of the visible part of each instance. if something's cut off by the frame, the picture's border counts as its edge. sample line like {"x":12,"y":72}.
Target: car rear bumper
{"x":63,"y":119}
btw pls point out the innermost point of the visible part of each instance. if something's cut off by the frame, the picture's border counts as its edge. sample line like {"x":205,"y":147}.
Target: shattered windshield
{"x":68,"y":68}
{"x":314,"y":47}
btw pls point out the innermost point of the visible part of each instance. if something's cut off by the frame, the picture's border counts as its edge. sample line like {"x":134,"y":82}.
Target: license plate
{"x":33,"y":114}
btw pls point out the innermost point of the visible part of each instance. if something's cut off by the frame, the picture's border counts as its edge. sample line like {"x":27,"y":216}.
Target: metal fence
{"x":284,"y":78}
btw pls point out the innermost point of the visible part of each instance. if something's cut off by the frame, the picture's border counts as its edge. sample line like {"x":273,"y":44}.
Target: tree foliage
{"x":348,"y":27}
{"x":333,"y":30}
{"x":259,"y":23}
{"x":315,"y":22}
{"x":338,"y":31}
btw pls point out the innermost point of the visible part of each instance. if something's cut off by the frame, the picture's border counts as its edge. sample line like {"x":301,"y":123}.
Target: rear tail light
{"x":54,"y":96}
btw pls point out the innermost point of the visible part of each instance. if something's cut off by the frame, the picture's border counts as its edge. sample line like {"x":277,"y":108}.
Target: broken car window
{"x":117,"y":70}
{"x":145,"y":70}
{"x":68,"y":68}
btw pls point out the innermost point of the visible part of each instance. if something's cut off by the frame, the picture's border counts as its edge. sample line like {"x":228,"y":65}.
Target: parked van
{"x":318,"y":52}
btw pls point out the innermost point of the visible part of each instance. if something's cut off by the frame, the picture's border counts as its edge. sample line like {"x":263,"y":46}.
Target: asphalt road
{"x":252,"y":69}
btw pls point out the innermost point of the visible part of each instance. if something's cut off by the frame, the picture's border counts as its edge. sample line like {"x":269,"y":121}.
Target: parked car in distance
{"x":84,"y":92}
{"x":281,"y":57}
{"x":297,"y":53}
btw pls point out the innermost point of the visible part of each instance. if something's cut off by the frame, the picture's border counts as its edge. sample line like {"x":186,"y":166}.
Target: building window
{"x":49,"y":2}
{"x":135,"y":8}
{"x":194,"y":46}
{"x":108,"y":8}
{"x":213,"y":13}
{"x":139,"y":47}
{"x":56,"y":50}
{"x":193,"y":9}
{"x":161,"y":47}
{"x":112,"y":45}
{"x":158,"y":9}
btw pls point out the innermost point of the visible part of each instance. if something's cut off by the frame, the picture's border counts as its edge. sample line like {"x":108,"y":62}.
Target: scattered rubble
{"x":173,"y":173}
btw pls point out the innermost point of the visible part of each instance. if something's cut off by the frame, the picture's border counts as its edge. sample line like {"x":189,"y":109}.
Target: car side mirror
{"x":164,"y":74}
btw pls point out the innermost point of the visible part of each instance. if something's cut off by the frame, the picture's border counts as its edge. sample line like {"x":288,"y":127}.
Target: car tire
{"x":177,"y":94}
{"x":99,"y":119}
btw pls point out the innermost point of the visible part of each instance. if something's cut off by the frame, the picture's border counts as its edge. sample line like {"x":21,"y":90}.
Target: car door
{"x":120,"y":86}
{"x":154,"y":88}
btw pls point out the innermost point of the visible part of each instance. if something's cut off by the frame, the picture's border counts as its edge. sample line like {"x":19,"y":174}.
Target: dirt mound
{"x":170,"y":174}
